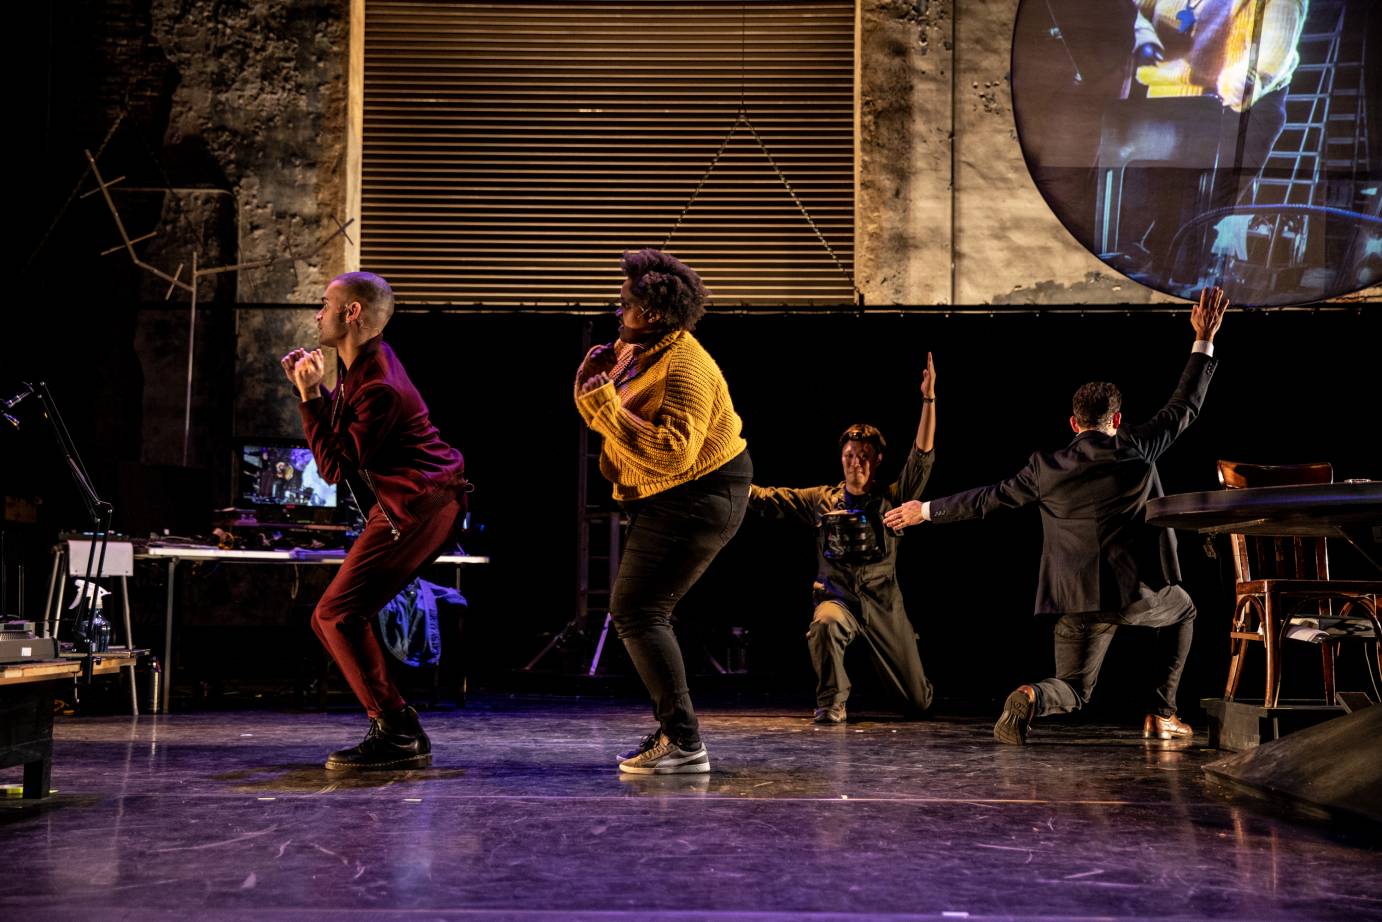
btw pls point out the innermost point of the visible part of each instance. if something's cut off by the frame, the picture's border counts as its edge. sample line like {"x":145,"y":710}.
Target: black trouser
{"x":1082,"y":639}
{"x":673,"y":536}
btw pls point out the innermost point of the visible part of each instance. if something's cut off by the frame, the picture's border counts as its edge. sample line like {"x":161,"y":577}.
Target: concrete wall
{"x":240,"y":110}
{"x":258,"y":109}
{"x":250,"y":99}
{"x":262,"y":92}
{"x":903,"y":212}
{"x":932,"y":71}
{"x":963,"y":226}
{"x":225,"y":122}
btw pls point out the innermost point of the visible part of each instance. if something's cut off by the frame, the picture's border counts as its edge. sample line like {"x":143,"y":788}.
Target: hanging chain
{"x":806,"y":214}
{"x":743,"y":117}
{"x":704,"y":176}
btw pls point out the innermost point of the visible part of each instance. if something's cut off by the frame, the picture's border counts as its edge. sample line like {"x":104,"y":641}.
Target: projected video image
{"x":1195,"y":142}
{"x":282,"y":476}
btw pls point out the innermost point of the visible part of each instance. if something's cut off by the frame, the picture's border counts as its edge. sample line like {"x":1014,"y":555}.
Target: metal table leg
{"x":129,"y":645}
{"x":52,"y":613}
{"x":168,"y":634}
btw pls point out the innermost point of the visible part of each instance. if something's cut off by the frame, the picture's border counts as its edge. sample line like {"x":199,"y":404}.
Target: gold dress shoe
{"x":1156,"y":727}
{"x":835,"y":714}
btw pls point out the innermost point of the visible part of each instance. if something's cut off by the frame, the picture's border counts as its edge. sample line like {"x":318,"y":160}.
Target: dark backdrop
{"x":1291,"y":387}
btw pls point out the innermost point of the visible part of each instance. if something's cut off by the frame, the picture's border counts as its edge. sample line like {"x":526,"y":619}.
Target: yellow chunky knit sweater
{"x":1215,"y":55}
{"x":666,"y":416}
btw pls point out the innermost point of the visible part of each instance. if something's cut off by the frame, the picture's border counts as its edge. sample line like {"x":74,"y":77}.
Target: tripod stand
{"x":599,"y":545}
{"x":576,"y":629}
{"x":597,"y":525}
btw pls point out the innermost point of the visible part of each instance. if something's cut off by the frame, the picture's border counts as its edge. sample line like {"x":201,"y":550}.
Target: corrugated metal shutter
{"x":512,"y":151}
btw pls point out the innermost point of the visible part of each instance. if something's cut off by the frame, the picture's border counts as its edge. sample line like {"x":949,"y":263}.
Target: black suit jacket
{"x":1097,"y":546}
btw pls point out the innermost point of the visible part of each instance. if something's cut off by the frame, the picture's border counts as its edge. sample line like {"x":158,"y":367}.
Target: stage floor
{"x":216,"y":816}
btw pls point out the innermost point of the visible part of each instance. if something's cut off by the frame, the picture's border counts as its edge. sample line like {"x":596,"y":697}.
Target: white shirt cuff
{"x":926,"y":510}
{"x":1205,"y":346}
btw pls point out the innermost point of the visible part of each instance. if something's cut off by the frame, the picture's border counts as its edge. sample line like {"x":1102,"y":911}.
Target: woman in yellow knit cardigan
{"x":680,"y":467}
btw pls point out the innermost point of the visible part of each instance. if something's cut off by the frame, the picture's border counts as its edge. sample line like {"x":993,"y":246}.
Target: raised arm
{"x":1207,"y":316}
{"x":916,"y":471}
{"x":926,"y":426}
{"x":1153,"y":437}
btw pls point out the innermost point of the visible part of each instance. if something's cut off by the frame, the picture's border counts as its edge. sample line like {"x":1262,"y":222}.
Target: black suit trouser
{"x":1082,"y":639}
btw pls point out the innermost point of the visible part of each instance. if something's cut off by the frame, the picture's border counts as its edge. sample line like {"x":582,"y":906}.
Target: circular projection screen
{"x":1196,"y":142}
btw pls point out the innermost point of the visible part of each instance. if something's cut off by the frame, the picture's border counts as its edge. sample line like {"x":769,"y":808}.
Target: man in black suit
{"x":1101,"y":564}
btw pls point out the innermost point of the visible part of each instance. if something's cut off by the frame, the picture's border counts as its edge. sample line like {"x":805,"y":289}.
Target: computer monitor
{"x":280,"y":476}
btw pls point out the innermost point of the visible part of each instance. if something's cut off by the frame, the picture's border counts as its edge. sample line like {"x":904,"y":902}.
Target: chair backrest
{"x":1240,"y":474}
{"x":1260,"y":557}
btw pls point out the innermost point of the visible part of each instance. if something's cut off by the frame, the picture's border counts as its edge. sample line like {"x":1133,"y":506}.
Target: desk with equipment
{"x":172,"y":555}
{"x":284,"y":513}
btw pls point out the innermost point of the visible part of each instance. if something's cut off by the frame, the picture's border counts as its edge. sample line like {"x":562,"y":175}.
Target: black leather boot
{"x":394,"y":742}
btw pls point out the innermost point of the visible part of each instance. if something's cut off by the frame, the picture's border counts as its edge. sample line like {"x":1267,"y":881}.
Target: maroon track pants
{"x":376,"y":569}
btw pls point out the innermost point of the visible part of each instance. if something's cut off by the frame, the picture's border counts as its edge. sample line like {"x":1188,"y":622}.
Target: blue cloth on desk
{"x":410,"y":626}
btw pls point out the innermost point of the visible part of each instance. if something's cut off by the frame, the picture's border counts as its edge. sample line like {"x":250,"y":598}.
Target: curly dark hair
{"x":1095,"y":403}
{"x":666,"y":286}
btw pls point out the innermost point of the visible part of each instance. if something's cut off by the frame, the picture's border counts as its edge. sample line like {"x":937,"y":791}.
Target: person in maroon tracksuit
{"x":373,"y":431}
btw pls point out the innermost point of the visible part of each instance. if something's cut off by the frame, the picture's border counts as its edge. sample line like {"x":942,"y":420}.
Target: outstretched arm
{"x":1013,"y":493}
{"x":800,"y":505}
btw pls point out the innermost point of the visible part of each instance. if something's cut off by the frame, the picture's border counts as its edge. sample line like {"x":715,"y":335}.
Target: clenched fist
{"x":595,"y":367}
{"x":305,"y":370}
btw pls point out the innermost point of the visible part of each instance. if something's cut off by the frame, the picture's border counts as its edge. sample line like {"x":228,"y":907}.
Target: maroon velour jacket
{"x":376,"y":424}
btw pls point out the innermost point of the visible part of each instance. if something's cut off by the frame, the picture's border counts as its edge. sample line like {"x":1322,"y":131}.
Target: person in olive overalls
{"x":856,"y":591}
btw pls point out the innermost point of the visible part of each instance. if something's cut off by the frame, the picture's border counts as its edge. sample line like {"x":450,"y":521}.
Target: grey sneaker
{"x":835,"y":714}
{"x":658,"y":755}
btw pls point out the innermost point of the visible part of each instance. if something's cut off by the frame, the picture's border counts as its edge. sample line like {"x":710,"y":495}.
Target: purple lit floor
{"x":228,"y":815}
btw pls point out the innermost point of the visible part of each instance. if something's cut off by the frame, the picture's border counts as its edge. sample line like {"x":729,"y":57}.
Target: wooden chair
{"x":1283,"y":590}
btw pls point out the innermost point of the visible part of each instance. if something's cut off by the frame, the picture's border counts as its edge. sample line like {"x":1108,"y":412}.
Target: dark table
{"x":1351,"y":510}
{"x":27,"y":691}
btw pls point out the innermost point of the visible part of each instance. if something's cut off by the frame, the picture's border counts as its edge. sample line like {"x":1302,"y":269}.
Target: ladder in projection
{"x":1325,"y":136}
